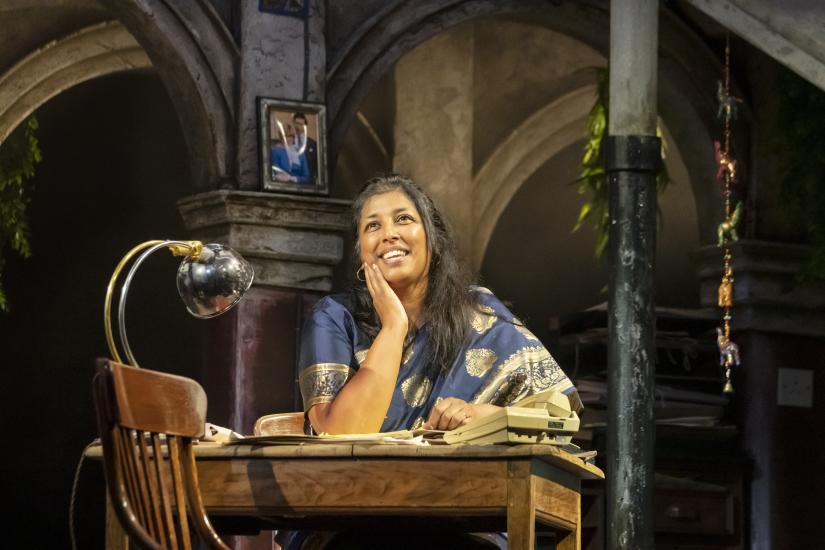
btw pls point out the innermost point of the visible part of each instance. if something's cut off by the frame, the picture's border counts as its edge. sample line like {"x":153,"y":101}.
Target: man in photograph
{"x":305,"y":145}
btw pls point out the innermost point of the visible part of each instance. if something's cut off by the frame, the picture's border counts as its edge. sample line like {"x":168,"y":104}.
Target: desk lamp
{"x":211,"y":279}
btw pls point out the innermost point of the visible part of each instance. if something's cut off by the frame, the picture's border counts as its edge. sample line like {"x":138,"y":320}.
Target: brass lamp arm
{"x":178,"y":248}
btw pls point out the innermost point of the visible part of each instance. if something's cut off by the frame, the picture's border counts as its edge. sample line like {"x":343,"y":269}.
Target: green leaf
{"x":583,"y":213}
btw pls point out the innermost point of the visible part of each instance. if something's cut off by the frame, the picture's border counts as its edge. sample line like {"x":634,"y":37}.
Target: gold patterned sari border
{"x":324,"y":368}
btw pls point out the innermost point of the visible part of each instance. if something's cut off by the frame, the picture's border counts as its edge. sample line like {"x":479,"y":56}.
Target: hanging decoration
{"x":726,"y":175}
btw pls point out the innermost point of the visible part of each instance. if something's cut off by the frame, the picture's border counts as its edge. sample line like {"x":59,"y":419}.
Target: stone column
{"x":282,"y":57}
{"x":293,"y":243}
{"x":631,"y":160}
{"x":779,"y":325}
{"x":434,"y":125}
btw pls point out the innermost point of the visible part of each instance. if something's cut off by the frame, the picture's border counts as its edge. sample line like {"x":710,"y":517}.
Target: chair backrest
{"x":147,"y":421}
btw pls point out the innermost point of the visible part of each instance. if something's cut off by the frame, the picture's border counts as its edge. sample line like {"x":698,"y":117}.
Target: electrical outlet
{"x":795,"y":388}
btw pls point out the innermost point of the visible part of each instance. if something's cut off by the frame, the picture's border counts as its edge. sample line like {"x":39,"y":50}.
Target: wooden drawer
{"x":707,"y":511}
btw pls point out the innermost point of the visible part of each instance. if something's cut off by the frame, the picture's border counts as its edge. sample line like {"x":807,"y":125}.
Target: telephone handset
{"x":544,"y":417}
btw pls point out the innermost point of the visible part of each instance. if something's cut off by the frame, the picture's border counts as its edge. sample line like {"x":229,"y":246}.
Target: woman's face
{"x":391,"y":235}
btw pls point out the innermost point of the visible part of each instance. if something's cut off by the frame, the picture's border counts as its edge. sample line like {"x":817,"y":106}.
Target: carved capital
{"x":291,"y":241}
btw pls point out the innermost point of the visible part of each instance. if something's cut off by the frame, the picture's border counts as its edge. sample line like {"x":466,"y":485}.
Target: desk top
{"x":545,"y":453}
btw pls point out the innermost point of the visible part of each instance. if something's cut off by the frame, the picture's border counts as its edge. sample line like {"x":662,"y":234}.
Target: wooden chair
{"x":152,"y":484}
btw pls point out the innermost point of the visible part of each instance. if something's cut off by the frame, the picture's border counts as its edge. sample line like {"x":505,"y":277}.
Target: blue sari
{"x":502,"y":363}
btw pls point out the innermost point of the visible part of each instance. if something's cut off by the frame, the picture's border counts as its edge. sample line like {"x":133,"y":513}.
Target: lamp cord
{"x":74,"y":492}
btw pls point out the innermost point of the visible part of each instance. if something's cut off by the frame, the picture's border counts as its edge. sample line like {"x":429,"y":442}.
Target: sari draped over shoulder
{"x":502,"y":362}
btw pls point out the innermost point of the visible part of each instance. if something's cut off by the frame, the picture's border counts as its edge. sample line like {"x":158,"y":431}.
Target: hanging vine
{"x":592,"y":180}
{"x":18,"y":156}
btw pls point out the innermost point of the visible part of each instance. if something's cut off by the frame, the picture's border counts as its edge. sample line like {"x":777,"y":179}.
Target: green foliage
{"x":798,"y":140}
{"x":18,"y":155}
{"x":592,"y":179}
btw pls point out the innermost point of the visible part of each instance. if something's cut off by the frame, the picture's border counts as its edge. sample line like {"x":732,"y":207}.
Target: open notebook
{"x":401,"y":437}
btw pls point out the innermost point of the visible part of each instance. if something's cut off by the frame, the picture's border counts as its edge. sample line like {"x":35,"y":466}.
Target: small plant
{"x":592,"y":179}
{"x":18,"y":156}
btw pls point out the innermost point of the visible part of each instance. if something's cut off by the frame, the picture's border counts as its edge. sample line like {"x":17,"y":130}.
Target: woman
{"x":414,"y":344}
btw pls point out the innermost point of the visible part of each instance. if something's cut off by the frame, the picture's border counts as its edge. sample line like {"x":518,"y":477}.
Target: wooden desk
{"x":480,"y":488}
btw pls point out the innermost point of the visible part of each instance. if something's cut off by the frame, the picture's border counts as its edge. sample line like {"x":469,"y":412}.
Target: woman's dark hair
{"x":449,"y":301}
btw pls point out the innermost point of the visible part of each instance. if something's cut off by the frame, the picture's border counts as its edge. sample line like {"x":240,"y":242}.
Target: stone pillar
{"x":778,"y":324}
{"x":293,"y":243}
{"x":434,"y":125}
{"x":282,"y":57}
{"x":631,"y":159}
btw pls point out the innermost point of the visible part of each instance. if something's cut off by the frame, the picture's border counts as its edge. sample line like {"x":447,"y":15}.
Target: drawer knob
{"x":674,"y":511}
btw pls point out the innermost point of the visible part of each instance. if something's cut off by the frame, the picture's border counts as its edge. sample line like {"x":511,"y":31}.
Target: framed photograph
{"x":293,"y":8}
{"x":293,"y":146}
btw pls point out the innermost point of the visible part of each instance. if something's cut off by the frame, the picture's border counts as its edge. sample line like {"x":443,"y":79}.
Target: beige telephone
{"x":544,"y":417}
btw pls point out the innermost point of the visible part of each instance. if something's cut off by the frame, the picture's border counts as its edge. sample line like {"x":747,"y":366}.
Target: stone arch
{"x":196,"y":59}
{"x":543,"y":135}
{"x":92,"y":52}
{"x":375,"y":47}
{"x":365,"y":155}
{"x":529,"y":146}
{"x":687,"y":84}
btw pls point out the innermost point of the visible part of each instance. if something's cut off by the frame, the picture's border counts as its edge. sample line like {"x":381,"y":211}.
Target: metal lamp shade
{"x":214,"y":282}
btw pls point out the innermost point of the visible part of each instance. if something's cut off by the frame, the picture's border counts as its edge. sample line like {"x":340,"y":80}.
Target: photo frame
{"x":293,"y":146}
{"x":292,"y":8}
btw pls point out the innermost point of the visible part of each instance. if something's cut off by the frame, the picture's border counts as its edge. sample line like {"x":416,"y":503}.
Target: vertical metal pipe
{"x":632,"y":157}
{"x":634,"y":44}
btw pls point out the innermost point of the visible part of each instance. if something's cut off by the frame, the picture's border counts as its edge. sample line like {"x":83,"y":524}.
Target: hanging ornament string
{"x":726,"y":175}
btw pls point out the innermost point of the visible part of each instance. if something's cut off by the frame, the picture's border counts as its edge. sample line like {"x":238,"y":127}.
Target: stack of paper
{"x":402,"y":437}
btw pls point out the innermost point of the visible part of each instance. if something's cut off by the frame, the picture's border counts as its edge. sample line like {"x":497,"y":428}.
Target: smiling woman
{"x":391,"y":237}
{"x":414,"y":343}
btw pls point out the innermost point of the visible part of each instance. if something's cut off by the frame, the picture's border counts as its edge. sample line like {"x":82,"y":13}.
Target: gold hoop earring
{"x":357,"y":271}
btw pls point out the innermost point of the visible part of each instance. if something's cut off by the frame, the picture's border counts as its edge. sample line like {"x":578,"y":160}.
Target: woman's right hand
{"x":385,"y":301}
{"x":362,"y":404}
